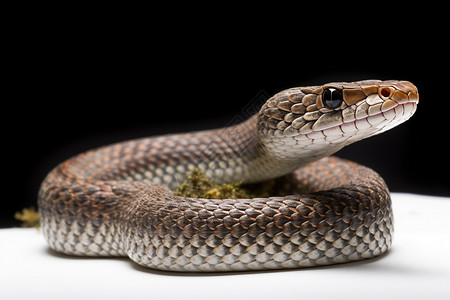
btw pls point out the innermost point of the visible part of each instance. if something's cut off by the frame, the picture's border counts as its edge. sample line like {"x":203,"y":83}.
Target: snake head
{"x":320,"y":120}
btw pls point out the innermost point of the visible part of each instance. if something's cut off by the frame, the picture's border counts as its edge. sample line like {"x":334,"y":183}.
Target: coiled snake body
{"x":116,"y":200}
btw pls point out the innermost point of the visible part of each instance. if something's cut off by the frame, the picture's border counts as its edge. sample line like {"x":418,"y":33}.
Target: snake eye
{"x":332,"y":98}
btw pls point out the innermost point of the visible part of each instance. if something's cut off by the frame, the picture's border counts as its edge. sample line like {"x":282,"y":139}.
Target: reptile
{"x":118,"y":200}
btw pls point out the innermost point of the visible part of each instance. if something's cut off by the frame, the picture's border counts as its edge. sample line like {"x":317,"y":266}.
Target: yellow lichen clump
{"x":28,"y":216}
{"x":197,"y":185}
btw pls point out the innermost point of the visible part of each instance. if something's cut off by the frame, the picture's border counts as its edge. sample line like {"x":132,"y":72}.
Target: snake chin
{"x":398,"y":115}
{"x":378,"y":123}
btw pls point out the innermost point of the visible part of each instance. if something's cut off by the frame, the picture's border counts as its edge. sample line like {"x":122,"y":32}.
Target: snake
{"x":118,"y":200}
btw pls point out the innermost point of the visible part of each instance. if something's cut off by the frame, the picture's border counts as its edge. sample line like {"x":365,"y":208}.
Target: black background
{"x":73,"y":90}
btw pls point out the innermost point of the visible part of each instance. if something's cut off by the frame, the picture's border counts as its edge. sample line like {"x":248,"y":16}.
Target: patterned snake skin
{"x":117,"y":200}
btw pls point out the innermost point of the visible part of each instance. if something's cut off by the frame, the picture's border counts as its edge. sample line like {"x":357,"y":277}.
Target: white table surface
{"x":416,"y":267}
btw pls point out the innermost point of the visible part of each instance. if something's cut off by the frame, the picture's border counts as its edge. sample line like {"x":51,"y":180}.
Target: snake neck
{"x":258,"y":155}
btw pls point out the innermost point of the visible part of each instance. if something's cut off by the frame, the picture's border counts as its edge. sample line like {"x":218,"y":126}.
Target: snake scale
{"x":117,"y":200}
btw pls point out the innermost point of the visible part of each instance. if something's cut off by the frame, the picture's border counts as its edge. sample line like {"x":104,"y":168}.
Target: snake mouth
{"x":382,"y":120}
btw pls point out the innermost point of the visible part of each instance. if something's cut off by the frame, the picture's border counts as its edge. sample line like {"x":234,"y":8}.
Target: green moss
{"x":28,"y":216}
{"x":198,"y":185}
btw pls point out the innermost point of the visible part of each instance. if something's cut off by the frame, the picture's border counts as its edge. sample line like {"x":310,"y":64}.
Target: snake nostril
{"x":385,"y":92}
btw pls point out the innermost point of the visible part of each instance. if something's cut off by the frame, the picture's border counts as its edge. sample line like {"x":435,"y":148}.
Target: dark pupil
{"x":332,"y":98}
